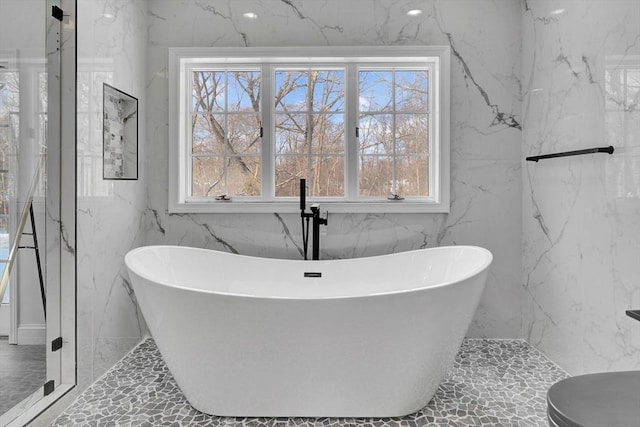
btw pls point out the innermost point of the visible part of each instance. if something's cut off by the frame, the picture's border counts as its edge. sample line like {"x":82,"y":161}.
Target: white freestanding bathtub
{"x":364,"y":337}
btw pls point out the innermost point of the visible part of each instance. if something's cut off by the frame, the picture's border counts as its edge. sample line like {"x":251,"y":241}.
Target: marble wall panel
{"x":112,"y":39}
{"x":581,"y":215}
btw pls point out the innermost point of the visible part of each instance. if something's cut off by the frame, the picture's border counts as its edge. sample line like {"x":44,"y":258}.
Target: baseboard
{"x":30,"y":334}
{"x":5,"y":317}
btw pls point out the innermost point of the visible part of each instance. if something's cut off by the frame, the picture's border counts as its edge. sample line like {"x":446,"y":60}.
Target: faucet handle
{"x":325,"y":220}
{"x":303,"y":194}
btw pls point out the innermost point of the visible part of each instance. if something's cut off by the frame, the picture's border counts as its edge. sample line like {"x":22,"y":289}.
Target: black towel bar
{"x":635,"y":314}
{"x":608,"y":149}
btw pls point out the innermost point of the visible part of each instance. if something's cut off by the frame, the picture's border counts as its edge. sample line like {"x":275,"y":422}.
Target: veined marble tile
{"x":112,"y":41}
{"x":581,"y":226}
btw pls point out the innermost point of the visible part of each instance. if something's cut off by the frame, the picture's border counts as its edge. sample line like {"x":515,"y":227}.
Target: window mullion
{"x":394,"y":180}
{"x":351,"y":177}
{"x":267,"y":145}
{"x":226,"y":158}
{"x":188,"y":176}
{"x":433,"y":115}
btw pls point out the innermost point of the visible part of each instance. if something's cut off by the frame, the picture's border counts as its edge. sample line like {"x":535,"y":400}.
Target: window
{"x":393,"y":132}
{"x":225,"y":132}
{"x":310,"y":131}
{"x":622,"y":123}
{"x":366,"y":127}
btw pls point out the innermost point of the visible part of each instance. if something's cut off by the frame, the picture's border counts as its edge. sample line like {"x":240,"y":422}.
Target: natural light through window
{"x":225,"y":133}
{"x":309,"y":131}
{"x":393,"y":133}
{"x":366,"y":127}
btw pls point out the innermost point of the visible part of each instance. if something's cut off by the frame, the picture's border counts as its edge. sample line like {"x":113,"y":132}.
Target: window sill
{"x":403,"y":206}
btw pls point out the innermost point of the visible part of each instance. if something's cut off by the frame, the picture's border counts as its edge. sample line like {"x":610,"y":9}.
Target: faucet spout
{"x":317,"y":221}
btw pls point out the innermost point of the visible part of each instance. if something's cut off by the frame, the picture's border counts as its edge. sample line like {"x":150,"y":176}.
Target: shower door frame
{"x":61,"y":210}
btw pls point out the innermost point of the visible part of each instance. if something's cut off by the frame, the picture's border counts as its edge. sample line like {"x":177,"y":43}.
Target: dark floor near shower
{"x":492,"y":383}
{"x":22,"y":372}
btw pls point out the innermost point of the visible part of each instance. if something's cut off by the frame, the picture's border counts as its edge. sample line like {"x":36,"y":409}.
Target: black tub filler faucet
{"x":316,"y":223}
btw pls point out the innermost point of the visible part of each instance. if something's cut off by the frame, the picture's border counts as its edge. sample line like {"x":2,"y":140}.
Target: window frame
{"x":182,"y":60}
{"x":188,"y":161}
{"x":394,"y":113}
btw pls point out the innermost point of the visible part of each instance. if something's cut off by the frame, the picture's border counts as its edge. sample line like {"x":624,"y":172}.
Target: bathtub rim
{"x":484,"y":266}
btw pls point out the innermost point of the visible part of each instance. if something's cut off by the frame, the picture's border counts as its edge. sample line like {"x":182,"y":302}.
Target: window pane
{"x":207,"y":133}
{"x":243,"y":176}
{"x":291,"y":90}
{"x":42,"y":92}
{"x":328,"y":176}
{"x":291,"y":131}
{"x":632,"y":135}
{"x":83,"y":132}
{"x":412,"y":176}
{"x":289,"y":171}
{"x":376,"y":134}
{"x":375,"y":90}
{"x":243,"y":134}
{"x":412,"y":134}
{"x":375,"y":176}
{"x":84,"y":90}
{"x":207,"y":176}
{"x":412,"y":88}
{"x":208,"y":91}
{"x":633,"y":89}
{"x":243,"y":91}
{"x":614,"y":87}
{"x":614,"y":125}
{"x":328,"y":133}
{"x":326,"y":179}
{"x":328,"y":90}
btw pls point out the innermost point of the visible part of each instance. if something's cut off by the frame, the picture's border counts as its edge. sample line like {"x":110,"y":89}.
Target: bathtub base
{"x":311,"y":358}
{"x":320,"y":406}
{"x":316,"y":413}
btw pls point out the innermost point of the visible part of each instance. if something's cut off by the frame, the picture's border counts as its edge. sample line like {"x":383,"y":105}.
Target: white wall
{"x":581,"y":215}
{"x":485,"y":144}
{"x":112,"y":38}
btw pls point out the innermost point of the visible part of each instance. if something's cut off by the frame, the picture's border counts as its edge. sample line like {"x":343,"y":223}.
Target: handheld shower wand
{"x":303,"y":215}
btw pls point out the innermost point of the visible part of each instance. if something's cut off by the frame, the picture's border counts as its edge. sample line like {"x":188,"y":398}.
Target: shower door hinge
{"x":49,"y":386}
{"x":56,"y":344}
{"x":57,"y":13}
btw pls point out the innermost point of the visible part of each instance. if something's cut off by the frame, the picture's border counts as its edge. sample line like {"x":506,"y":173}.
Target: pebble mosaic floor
{"x":492,"y":383}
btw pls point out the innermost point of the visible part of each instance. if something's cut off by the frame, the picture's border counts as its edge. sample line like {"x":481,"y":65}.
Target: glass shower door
{"x":27,"y":364}
{"x":8,"y":77}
